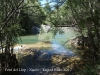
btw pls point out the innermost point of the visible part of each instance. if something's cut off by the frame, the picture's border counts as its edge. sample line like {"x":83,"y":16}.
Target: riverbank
{"x":38,"y":56}
{"x":39,"y":45}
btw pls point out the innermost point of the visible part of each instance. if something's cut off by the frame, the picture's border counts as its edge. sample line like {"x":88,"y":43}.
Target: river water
{"x":42,"y":62}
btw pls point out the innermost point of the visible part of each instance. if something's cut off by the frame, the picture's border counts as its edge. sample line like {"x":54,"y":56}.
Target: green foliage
{"x":46,"y":36}
{"x":82,"y":23}
{"x":9,"y":23}
{"x":34,"y":11}
{"x":89,"y":70}
{"x":31,"y":14}
{"x":84,"y":17}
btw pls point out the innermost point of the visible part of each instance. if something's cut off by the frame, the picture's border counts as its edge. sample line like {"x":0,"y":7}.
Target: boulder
{"x":80,"y":42}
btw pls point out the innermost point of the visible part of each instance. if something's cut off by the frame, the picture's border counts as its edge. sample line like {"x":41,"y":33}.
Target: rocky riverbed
{"x":40,"y":61}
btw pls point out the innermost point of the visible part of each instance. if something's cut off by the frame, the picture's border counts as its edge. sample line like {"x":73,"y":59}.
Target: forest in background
{"x":18,"y":16}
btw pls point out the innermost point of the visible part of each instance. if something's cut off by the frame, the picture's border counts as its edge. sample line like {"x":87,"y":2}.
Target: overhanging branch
{"x":10,"y":15}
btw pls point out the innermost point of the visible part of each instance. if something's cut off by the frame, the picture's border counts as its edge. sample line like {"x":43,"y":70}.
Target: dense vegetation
{"x":18,"y":17}
{"x":9,"y":31}
{"x":85,"y":16}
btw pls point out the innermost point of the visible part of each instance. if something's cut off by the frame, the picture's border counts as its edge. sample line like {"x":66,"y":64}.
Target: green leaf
{"x":82,"y":23}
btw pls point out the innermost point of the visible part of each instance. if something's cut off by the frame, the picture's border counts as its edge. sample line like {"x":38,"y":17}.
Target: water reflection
{"x":45,"y":58}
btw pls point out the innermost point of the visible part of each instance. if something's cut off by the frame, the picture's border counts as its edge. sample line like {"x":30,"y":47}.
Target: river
{"x":46,"y":62}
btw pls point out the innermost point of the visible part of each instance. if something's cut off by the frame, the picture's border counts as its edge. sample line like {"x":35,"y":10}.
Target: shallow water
{"x":41,"y":63}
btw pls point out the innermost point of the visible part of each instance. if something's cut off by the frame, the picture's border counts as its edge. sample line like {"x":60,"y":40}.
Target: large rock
{"x":80,"y":42}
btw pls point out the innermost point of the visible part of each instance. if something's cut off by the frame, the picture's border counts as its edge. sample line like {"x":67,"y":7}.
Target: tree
{"x":86,"y":17}
{"x":31,"y":14}
{"x":9,"y":29}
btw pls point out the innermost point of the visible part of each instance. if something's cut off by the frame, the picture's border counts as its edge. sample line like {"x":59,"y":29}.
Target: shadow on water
{"x":41,"y":62}
{"x":47,"y":62}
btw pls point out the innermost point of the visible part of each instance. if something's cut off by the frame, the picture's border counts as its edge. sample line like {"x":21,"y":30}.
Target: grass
{"x":28,"y":39}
